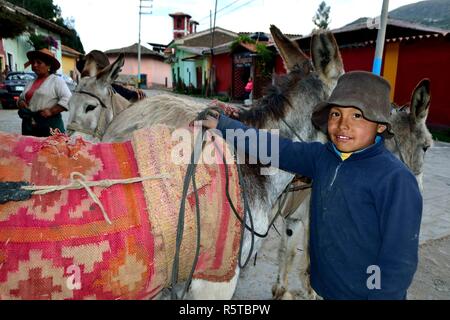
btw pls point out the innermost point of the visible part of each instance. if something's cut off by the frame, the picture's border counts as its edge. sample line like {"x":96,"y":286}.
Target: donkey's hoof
{"x":308,"y":295}
{"x":288,"y":296}
{"x":278,"y":292}
{"x":314,"y":296}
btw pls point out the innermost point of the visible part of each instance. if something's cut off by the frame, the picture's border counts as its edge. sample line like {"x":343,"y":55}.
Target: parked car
{"x":13,"y":86}
{"x":69,"y":81}
{"x":15,"y":83}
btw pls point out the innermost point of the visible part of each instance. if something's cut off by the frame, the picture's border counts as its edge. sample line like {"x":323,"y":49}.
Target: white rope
{"x":78,"y":181}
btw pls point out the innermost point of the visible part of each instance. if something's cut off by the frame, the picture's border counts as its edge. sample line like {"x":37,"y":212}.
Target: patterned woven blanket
{"x":59,"y":246}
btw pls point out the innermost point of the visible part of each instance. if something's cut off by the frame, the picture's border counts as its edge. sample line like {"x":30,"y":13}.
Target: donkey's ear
{"x":326,"y":57}
{"x":111,"y":72}
{"x":420,"y":101}
{"x":290,"y":52}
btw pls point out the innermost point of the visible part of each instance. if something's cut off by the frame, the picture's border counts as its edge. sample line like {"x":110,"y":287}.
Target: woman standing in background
{"x":43,"y":100}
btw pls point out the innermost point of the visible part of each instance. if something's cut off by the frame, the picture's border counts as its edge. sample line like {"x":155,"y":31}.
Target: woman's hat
{"x":362,"y":90}
{"x":46,"y":56}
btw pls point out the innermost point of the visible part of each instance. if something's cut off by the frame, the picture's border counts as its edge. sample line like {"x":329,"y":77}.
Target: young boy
{"x":366,"y":206}
{"x":101,"y":61}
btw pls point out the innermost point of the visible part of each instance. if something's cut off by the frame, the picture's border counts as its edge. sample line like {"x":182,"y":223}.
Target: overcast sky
{"x":111,"y":24}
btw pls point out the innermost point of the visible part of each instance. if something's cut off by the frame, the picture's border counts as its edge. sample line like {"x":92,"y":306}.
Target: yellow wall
{"x":68,"y":64}
{"x":390,"y":65}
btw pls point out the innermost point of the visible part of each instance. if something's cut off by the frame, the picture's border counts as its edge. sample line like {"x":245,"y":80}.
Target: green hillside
{"x":433,"y":13}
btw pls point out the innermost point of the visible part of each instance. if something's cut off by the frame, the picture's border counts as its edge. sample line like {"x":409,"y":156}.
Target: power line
{"x":221,"y":9}
{"x":237,"y":8}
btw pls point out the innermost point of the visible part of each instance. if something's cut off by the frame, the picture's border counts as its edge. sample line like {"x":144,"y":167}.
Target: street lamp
{"x":145,"y":7}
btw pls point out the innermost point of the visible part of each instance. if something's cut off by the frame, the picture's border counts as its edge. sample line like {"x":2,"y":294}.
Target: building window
{"x":179,"y":23}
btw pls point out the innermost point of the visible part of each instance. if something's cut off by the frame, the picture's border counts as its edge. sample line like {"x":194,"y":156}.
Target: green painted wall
{"x":184,"y":70}
{"x":18,"y":48}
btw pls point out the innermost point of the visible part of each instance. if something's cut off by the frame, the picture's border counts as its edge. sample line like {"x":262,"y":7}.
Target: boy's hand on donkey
{"x":209,"y":118}
{"x":228,"y":110}
{"x":211,"y":122}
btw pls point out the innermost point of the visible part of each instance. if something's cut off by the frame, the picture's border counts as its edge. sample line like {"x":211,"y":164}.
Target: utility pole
{"x":144,"y":7}
{"x":378,"y":60}
{"x":209,"y":88}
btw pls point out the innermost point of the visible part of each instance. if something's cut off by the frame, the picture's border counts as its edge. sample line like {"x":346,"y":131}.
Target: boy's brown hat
{"x":362,"y":90}
{"x":100,"y":58}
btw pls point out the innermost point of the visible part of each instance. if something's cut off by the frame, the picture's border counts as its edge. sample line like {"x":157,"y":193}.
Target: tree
{"x":73,"y":41}
{"x":11,"y":25}
{"x":265,"y":57}
{"x":322,"y":16}
{"x":38,"y":41}
{"x":43,"y":8}
{"x":49,"y":11}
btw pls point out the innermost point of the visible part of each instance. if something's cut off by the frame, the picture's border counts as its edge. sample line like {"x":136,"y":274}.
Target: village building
{"x":69,"y":60}
{"x":215,"y":61}
{"x":183,"y":25}
{"x":13,"y":52}
{"x":190,"y":64}
{"x":154,"y":71}
{"x":412,"y":52}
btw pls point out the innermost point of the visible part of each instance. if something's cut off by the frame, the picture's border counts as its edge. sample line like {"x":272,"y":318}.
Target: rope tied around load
{"x":21,"y":191}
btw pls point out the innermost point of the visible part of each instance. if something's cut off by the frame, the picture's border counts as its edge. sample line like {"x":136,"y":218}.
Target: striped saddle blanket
{"x":59,"y":246}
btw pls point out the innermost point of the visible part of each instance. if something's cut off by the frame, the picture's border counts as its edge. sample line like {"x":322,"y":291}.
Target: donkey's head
{"x":411,"y":133}
{"x":94,"y":103}
{"x":289,"y":103}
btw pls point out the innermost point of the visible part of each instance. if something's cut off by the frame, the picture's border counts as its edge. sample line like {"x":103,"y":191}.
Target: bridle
{"x":99,"y":131}
{"x":190,"y":177}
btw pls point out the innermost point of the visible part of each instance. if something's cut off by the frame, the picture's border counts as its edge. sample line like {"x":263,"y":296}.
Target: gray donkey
{"x":286,"y":107}
{"x":412,"y":140}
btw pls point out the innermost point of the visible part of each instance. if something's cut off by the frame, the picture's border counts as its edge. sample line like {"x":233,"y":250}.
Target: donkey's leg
{"x":306,"y":291}
{"x":207,"y":290}
{"x":290,"y":238}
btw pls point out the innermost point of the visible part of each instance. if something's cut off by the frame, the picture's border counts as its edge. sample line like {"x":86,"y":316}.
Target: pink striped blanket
{"x":59,"y":246}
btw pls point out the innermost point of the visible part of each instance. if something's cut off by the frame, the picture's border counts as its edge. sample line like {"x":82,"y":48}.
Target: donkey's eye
{"x":90,"y":108}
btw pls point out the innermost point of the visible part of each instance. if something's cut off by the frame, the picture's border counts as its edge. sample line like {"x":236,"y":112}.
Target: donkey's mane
{"x":275,"y":104}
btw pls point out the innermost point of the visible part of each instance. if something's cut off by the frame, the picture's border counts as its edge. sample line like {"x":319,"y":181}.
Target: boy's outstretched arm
{"x":296,"y":157}
{"x":399,"y":203}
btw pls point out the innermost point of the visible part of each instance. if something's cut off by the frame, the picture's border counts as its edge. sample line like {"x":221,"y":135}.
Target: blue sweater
{"x":365,"y":212}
